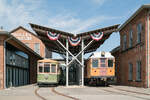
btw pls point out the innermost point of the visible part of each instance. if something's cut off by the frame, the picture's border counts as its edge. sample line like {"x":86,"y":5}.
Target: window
{"x":139,"y":32}
{"x":53,"y":68}
{"x":37,"y":48}
{"x":110,"y":63}
{"x":131,"y":38}
{"x":47,"y":67}
{"x":103,"y":64}
{"x":130,"y":71}
{"x":124,"y":42}
{"x":95,"y":63}
{"x":40,"y":69}
{"x":138,"y":70}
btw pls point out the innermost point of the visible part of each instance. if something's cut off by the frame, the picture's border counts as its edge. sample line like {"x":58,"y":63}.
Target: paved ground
{"x":32,"y":92}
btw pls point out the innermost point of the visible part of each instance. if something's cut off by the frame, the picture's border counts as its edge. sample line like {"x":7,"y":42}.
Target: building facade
{"x":134,"y":66}
{"x":32,"y":41}
{"x":17,"y":62}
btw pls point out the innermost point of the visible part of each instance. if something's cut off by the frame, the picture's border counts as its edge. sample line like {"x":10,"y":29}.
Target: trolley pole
{"x":67,"y":67}
{"x":82,"y":62}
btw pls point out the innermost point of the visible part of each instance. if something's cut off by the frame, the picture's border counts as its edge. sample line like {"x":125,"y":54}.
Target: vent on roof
{"x":103,"y":54}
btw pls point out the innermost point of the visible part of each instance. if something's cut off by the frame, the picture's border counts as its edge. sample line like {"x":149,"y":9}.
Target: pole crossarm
{"x":80,"y":53}
{"x":69,"y":53}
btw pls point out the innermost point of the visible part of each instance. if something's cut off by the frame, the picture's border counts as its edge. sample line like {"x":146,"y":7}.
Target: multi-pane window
{"x":124,"y":42}
{"x":95,"y":63}
{"x":130,"y":71}
{"x":47,"y":67}
{"x":110,"y":63}
{"x":138,"y":70}
{"x":53,"y":68}
{"x":103,"y":62}
{"x":37,"y":48}
{"x":139,"y":32}
{"x":131,"y":38}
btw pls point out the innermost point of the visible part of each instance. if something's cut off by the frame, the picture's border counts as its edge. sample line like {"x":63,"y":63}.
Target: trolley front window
{"x":95,"y":63}
{"x":110,"y":63}
{"x":53,"y":68}
{"x":40,"y":69}
{"x":103,"y":62}
{"x":47,"y":67}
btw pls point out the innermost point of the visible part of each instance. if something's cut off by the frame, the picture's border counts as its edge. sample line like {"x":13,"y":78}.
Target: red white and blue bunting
{"x":52,"y":35}
{"x":74,"y":41}
{"x":97,"y":36}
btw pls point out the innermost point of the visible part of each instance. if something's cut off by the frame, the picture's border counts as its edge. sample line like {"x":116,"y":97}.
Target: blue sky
{"x":69,"y":15}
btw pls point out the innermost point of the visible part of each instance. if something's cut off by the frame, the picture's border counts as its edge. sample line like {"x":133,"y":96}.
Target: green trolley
{"x":48,"y":72}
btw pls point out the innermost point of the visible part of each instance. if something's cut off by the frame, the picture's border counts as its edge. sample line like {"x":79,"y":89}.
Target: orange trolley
{"x":100,"y":69}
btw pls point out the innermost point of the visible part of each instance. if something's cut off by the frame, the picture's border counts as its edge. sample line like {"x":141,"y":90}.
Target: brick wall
{"x":135,"y":53}
{"x":1,"y":63}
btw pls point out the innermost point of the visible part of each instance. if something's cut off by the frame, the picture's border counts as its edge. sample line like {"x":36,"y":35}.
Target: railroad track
{"x":111,"y":91}
{"x":38,"y":95}
{"x":54,"y":91}
{"x":73,"y":98}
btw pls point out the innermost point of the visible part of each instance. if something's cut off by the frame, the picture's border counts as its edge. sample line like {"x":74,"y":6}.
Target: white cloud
{"x":99,"y":2}
{"x":16,"y":13}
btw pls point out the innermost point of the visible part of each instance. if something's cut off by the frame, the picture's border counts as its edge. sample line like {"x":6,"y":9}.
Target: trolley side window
{"x":103,"y":62}
{"x":110,"y":63}
{"x":53,"y":68}
{"x":47,"y":67}
{"x":95,"y":63}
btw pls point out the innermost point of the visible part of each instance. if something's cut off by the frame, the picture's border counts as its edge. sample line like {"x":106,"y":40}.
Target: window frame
{"x":139,"y":32}
{"x":112,"y":63}
{"x":103,"y":63}
{"x":131,"y":38}
{"x":38,"y":48}
{"x":124,"y":42}
{"x":130,"y":72}
{"x":97,"y":63}
{"x":138,"y":70}
{"x":55,"y":68}
{"x":46,"y":66}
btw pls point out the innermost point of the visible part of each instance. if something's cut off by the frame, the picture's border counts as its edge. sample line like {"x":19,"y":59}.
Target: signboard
{"x":23,"y":36}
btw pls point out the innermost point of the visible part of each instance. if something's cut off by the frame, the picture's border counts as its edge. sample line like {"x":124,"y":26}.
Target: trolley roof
{"x":48,"y":61}
{"x":56,"y":47}
{"x":101,"y":55}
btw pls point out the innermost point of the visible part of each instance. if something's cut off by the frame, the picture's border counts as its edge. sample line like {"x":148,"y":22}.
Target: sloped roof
{"x":55,"y":47}
{"x":21,"y":27}
{"x":134,"y":15}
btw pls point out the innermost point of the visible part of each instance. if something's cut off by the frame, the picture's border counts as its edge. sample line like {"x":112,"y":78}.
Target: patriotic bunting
{"x":97,"y":36}
{"x":52,"y":35}
{"x":74,"y":41}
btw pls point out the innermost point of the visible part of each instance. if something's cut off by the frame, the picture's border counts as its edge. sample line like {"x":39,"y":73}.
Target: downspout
{"x":5,"y":60}
{"x":148,"y":72}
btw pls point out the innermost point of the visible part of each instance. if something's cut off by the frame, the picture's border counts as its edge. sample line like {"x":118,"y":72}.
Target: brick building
{"x":32,"y":41}
{"x":17,"y":62}
{"x":134,"y":66}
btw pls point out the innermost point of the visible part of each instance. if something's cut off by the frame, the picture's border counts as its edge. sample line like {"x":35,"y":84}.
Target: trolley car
{"x":100,"y":69}
{"x":48,"y":72}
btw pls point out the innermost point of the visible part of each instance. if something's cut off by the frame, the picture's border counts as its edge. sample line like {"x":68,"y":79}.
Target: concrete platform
{"x":75,"y":93}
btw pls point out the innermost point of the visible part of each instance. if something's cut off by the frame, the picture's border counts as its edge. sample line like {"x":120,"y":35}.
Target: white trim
{"x":148,"y":73}
{"x":5,"y":60}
